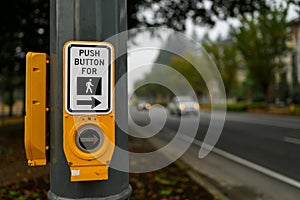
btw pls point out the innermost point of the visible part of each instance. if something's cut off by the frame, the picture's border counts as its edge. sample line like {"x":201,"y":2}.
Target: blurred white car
{"x":182,"y":105}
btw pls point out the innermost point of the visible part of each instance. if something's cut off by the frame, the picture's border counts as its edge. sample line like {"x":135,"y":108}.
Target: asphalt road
{"x":271,"y":141}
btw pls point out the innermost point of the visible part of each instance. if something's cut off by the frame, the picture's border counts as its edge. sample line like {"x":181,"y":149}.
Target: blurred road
{"x":269,"y":140}
{"x":267,"y":143}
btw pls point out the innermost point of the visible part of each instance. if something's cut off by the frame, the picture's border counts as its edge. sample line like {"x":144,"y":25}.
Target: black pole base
{"x":124,"y":195}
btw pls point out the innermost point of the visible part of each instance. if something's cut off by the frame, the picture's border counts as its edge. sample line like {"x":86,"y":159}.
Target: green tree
{"x":178,"y":76}
{"x":185,"y":68}
{"x":225,"y":55}
{"x":262,"y":42}
{"x":161,"y":78}
{"x":153,"y":90}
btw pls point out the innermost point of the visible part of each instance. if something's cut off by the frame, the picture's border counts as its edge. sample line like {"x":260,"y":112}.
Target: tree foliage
{"x":225,"y":55}
{"x":154,"y":86}
{"x":190,"y":73}
{"x":262,"y":43}
{"x":180,"y":77}
{"x":173,"y":13}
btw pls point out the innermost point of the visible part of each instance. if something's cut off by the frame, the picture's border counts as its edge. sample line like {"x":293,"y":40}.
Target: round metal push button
{"x":89,"y":138}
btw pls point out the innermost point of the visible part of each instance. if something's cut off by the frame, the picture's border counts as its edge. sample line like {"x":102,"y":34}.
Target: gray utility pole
{"x":86,"y":20}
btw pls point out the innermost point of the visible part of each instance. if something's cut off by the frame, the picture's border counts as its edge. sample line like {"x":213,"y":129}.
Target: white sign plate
{"x":88,"y":77}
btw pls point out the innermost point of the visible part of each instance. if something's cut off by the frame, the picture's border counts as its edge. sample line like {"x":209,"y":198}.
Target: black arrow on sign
{"x":93,"y":102}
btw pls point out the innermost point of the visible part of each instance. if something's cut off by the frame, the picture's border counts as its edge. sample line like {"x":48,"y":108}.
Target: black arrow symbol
{"x":93,"y":102}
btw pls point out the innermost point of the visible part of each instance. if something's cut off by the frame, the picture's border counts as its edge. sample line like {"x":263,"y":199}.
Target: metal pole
{"x":93,"y":20}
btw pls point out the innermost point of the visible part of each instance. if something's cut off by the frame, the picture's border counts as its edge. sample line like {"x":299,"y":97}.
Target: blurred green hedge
{"x":239,"y":107}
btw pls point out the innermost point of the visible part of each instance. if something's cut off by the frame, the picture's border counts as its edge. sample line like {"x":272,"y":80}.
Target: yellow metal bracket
{"x":35,"y":137}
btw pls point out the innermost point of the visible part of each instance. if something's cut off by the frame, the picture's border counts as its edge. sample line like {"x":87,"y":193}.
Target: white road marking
{"x":247,"y":163}
{"x":291,"y":140}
